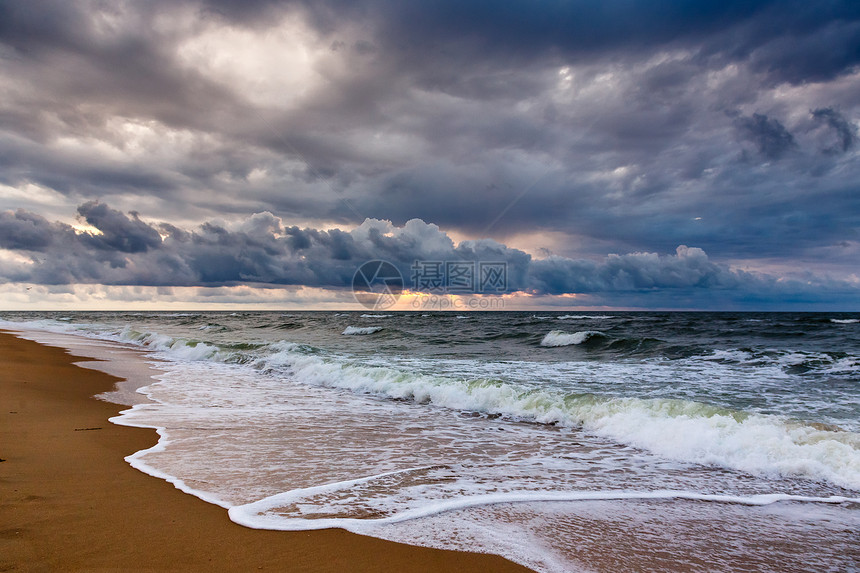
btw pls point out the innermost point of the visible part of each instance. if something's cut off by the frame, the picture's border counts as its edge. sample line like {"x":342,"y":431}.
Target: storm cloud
{"x":845,"y":132}
{"x":123,"y":250}
{"x":769,"y":135}
{"x":572,"y":129}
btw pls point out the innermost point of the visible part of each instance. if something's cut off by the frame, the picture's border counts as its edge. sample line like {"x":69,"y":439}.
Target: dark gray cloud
{"x":624,"y":126}
{"x":846,"y":133}
{"x":769,"y":136}
{"x":31,"y":232}
{"x":262,"y":252}
{"x":118,"y":232}
{"x":824,"y":47}
{"x":818,"y":40}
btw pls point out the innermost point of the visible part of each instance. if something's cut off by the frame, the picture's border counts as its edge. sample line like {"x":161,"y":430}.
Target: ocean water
{"x":564,"y":441}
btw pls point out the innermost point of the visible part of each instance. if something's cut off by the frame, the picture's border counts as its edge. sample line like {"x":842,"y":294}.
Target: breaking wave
{"x":561,"y":338}
{"x":361,"y":329}
{"x":682,"y":430}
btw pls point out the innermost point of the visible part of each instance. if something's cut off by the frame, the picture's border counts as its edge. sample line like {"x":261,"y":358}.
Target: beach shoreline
{"x":71,"y":502}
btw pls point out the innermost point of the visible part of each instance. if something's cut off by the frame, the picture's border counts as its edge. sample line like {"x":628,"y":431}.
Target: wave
{"x":515,"y":335}
{"x":214,"y":327}
{"x":178,"y":348}
{"x":561,"y":338}
{"x":263,"y":514}
{"x":585,"y":317}
{"x":136,"y":461}
{"x":376,"y":315}
{"x":677,"y":429}
{"x":279,"y":325}
{"x":796,"y":362}
{"x":361,"y":329}
{"x":844,"y":320}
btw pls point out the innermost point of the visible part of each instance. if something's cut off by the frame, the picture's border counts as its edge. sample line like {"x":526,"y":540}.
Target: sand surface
{"x":68,"y":500}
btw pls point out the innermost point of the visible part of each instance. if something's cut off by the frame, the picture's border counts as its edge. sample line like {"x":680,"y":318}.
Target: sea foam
{"x":262,"y":514}
{"x":677,"y":429}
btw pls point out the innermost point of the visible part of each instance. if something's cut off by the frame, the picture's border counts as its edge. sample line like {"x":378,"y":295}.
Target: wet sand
{"x":68,"y":500}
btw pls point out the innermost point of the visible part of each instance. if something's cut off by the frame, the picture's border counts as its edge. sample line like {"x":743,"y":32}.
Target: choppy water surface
{"x":564,"y":441}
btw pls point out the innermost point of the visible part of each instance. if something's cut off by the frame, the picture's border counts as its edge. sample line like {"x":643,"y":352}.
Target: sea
{"x":564,"y":441}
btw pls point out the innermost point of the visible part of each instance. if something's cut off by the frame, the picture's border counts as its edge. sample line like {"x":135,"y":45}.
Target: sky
{"x":254,"y":154}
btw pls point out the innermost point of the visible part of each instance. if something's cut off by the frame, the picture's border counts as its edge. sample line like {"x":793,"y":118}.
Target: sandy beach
{"x":69,"y":501}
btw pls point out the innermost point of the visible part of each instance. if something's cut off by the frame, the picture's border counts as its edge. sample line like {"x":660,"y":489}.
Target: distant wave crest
{"x":561,"y":338}
{"x":361,"y":329}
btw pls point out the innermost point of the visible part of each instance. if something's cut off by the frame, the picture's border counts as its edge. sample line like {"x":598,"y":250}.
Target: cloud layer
{"x":124,"y":250}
